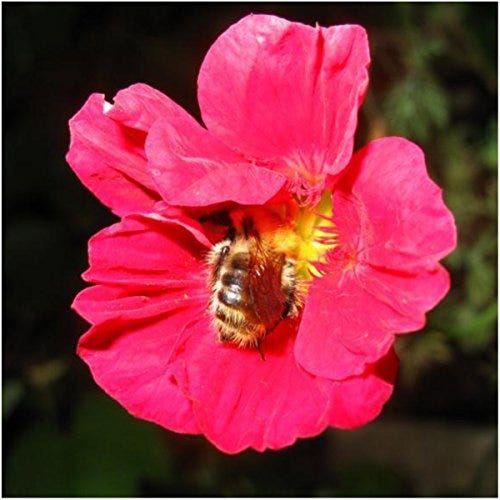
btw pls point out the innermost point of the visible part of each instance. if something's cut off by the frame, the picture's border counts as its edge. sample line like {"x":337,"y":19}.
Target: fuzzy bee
{"x":253,"y":281}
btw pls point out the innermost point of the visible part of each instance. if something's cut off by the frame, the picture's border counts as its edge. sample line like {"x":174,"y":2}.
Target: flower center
{"x":306,"y":178}
{"x":317,"y":236}
{"x":303,"y":233}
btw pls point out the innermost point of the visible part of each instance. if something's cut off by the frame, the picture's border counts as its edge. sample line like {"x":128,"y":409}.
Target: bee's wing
{"x":265,"y":288}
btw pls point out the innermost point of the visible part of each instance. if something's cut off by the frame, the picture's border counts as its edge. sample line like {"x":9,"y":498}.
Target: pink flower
{"x":280,"y":102}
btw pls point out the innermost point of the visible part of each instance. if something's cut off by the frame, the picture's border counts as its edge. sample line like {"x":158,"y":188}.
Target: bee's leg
{"x":249,"y":229}
{"x":290,"y":286}
{"x":288,"y":306}
{"x":259,"y":348}
{"x":292,"y":304}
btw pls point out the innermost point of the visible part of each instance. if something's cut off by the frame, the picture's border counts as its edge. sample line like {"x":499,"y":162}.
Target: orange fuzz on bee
{"x":253,"y":279}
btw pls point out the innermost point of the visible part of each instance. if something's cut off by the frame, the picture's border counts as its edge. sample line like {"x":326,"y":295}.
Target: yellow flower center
{"x":305,"y":234}
{"x":317,"y":236}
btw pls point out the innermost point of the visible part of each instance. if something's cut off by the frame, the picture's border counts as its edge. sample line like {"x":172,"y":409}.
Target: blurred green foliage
{"x":433,"y":80}
{"x":105,"y":453}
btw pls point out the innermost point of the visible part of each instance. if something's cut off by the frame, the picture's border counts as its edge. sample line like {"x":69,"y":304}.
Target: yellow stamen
{"x":316,"y":232}
{"x":303,"y":233}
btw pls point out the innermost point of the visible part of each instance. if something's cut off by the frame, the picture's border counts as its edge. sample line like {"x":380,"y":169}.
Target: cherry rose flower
{"x":254,"y":284}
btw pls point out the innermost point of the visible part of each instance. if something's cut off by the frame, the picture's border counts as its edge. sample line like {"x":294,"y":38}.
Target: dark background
{"x":433,"y":79}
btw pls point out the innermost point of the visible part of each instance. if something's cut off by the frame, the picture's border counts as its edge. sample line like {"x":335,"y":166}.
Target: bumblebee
{"x":253,"y":280}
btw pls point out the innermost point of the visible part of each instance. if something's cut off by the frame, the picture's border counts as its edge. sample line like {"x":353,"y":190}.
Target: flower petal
{"x":193,"y":168}
{"x":343,"y":328}
{"x":361,"y":399}
{"x":286,"y":92}
{"x":131,"y":361}
{"x":140,"y":105}
{"x":148,"y":252}
{"x":154,"y":292}
{"x":411,"y":295}
{"x":405,"y":223}
{"x":101,"y":303}
{"x":109,"y":159}
{"x":241,"y":400}
{"x":384,"y":275}
{"x":170,"y":370}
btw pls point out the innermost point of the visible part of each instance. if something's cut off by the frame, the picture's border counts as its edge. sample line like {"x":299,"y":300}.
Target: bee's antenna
{"x":259,"y":348}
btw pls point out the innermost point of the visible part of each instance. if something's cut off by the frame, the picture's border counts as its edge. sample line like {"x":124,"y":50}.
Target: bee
{"x":253,"y":281}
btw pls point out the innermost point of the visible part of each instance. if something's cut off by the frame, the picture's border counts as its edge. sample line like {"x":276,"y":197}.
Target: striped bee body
{"x":254,"y":286}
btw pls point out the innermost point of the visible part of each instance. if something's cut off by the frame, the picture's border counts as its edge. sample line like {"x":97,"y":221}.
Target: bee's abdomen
{"x":230,"y":297}
{"x":231,"y":294}
{"x":232,"y":279}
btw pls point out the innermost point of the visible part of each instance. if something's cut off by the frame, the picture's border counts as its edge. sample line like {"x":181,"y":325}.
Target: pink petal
{"x":157,"y":291}
{"x":133,"y":362}
{"x":242,"y":401}
{"x":384,"y":275}
{"x":361,"y":399}
{"x":109,"y":159}
{"x":192,"y":168}
{"x":101,"y":303}
{"x":411,"y":295}
{"x":148,"y":252}
{"x":140,"y":105}
{"x":343,"y":328}
{"x":286,"y":92}
{"x":406,"y":223}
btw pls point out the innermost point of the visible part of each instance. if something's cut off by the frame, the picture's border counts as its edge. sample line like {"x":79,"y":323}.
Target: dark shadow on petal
{"x":386,"y":367}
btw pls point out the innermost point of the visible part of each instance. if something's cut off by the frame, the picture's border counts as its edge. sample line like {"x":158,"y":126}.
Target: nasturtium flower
{"x":279,"y":101}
